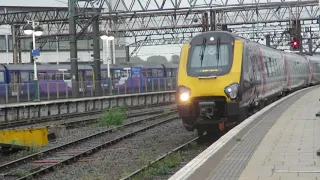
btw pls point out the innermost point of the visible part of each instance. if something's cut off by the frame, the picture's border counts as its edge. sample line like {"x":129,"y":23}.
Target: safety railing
{"x":62,"y":89}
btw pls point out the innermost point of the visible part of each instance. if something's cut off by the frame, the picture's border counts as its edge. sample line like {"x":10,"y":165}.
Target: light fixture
{"x":38,"y":31}
{"x":104,"y":37}
{"x":28,"y":30}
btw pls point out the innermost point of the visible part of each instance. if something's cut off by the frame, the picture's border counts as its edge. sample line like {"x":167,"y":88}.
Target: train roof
{"x":314,"y":58}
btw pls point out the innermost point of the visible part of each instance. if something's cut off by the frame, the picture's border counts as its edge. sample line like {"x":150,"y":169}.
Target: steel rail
{"x":15,"y":163}
{"x":159,"y":159}
{"x":59,"y":117}
{"x":95,"y":149}
{"x":72,"y":124}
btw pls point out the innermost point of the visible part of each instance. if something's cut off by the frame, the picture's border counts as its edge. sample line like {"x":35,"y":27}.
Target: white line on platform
{"x":193,"y":165}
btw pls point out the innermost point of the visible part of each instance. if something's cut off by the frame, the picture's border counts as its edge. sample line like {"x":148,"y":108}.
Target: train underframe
{"x":216,"y":116}
{"x":212,"y":115}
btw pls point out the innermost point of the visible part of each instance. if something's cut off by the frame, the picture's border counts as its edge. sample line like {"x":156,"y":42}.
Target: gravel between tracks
{"x":94,"y":142}
{"x":72,"y":134}
{"x":98,"y":115}
{"x":127,"y":155}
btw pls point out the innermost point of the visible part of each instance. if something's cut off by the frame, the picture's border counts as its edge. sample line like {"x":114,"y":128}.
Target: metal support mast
{"x":73,"y":49}
{"x":96,"y":55}
{"x":268,"y":39}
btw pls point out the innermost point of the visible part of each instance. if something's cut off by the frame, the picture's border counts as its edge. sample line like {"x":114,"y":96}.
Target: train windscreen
{"x":204,"y":60}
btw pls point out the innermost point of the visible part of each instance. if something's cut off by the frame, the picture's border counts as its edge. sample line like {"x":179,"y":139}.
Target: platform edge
{"x":194,"y":164}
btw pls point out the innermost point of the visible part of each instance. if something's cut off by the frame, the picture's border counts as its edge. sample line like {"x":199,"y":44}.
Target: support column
{"x":73,"y":49}
{"x":268,"y":40}
{"x":296,"y":25}
{"x":212,"y":20}
{"x":205,"y":25}
{"x":310,"y":45}
{"x":127,"y":54}
{"x":224,"y":27}
{"x":96,"y":55}
{"x":31,"y":47}
{"x":16,"y":44}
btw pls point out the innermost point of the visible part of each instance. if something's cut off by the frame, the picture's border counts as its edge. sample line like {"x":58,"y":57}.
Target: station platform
{"x":280,"y":142}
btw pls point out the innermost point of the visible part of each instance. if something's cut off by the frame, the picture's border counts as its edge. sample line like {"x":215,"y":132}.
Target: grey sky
{"x":49,"y":3}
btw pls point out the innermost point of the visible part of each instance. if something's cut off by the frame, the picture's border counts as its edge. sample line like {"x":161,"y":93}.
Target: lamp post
{"x":105,"y":38}
{"x":32,"y":29}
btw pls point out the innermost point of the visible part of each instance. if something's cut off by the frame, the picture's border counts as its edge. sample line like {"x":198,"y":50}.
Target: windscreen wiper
{"x":204,"y":45}
{"x":218,"y":52}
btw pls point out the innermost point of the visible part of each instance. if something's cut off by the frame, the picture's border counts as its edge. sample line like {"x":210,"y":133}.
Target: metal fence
{"x":25,"y":92}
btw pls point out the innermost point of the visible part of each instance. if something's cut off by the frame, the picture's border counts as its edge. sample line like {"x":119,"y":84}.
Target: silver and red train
{"x":222,"y":77}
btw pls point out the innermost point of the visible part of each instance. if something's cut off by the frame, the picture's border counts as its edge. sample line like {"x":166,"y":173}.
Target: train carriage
{"x":54,"y":81}
{"x":223,"y":77}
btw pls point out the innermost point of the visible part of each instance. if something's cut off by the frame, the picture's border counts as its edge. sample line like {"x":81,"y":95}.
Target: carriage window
{"x":104,"y":74}
{"x":25,"y":76}
{"x":2,"y":76}
{"x":116,"y":74}
{"x":149,"y":72}
{"x":67,"y":76}
{"x":88,"y":74}
{"x":160,"y":72}
{"x":144,"y":73}
{"x":51,"y":76}
{"x":169,"y":74}
{"x":125,"y":73}
{"x":59,"y":76}
{"x":42,"y":76}
{"x":154,"y":72}
{"x":174,"y":73}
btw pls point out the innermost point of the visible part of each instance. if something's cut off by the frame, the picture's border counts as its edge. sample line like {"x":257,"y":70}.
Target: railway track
{"x":150,"y":164}
{"x":91,"y":120}
{"x":15,"y":124}
{"x":55,"y":156}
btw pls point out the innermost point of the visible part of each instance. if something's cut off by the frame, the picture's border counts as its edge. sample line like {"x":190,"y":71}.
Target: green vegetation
{"x":237,"y":138}
{"x":160,"y":168}
{"x":113,"y":116}
{"x":166,"y":111}
{"x":20,"y":173}
{"x":143,"y":158}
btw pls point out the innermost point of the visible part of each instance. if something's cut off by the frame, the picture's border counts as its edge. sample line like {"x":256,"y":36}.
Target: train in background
{"x":17,"y":80}
{"x":222,"y":78}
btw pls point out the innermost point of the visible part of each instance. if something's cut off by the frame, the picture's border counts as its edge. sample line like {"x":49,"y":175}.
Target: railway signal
{"x":294,"y":44}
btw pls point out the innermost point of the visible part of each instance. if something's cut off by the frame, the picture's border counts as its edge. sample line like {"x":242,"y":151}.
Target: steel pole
{"x":35,"y":73}
{"x":108,"y":69}
{"x":57,"y":49}
{"x":114,"y":52}
{"x":73,"y":49}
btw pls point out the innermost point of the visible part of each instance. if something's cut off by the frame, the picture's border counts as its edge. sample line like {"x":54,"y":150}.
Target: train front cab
{"x":208,"y":82}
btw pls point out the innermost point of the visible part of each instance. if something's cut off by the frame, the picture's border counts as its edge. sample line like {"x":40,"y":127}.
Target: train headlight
{"x":184,"y":93}
{"x":232,"y":91}
{"x":184,"y":96}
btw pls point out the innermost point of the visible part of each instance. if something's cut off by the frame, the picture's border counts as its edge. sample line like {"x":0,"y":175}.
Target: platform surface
{"x":281,"y":146}
{"x":277,"y":143}
{"x":289,"y":149}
